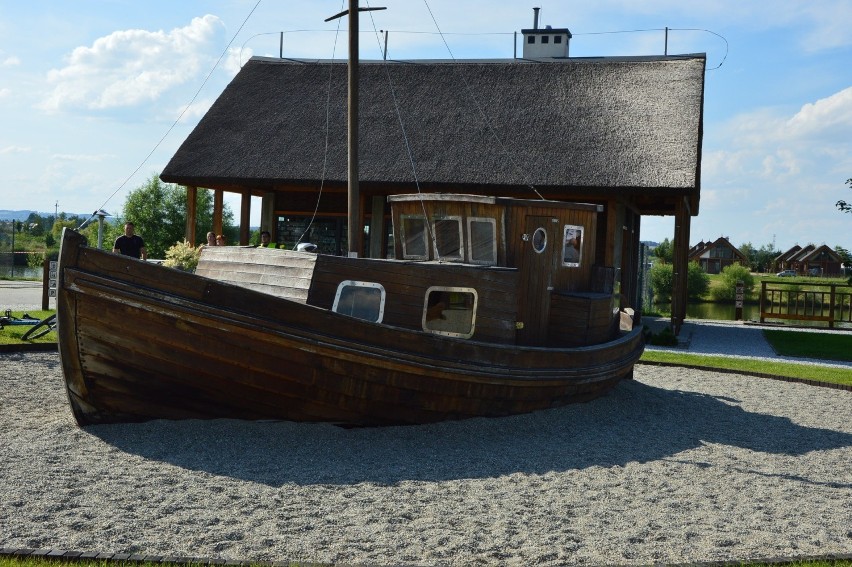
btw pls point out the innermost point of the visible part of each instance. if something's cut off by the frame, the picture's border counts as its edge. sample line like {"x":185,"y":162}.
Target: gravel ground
{"x":676,"y":466}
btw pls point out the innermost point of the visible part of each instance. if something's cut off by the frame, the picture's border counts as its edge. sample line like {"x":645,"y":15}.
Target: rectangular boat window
{"x":448,"y":238}
{"x":572,"y":245}
{"x":414,"y":237}
{"x":482,"y":243}
{"x":362,"y":300}
{"x":450,"y":311}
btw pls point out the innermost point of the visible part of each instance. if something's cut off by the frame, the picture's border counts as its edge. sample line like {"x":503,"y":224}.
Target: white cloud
{"x":15,"y":150}
{"x":10,"y":61}
{"x":131,"y":67}
{"x":827,"y":114}
{"x":5,"y":92}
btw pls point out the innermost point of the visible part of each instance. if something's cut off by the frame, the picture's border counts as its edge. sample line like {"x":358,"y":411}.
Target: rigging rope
{"x":327,"y":130}
{"x":481,"y":111}
{"x":185,"y":109}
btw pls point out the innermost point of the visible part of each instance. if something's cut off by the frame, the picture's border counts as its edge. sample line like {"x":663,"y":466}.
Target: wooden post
{"x":245,"y":217}
{"x":738,"y":302}
{"x":191,"y":213}
{"x":218,"y":203}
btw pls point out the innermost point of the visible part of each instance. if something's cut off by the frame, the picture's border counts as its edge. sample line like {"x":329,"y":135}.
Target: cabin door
{"x":540,"y":241}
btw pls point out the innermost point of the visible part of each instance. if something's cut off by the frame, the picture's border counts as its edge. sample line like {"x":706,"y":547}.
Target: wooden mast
{"x":354,"y":222}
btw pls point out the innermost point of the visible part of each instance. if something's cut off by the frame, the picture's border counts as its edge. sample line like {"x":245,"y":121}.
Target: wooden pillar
{"x":245,"y":217}
{"x":377,"y":227}
{"x":191,"y":213}
{"x":680,"y":264}
{"x":218,"y":205}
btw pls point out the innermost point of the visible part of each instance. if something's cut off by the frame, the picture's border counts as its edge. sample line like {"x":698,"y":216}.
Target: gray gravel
{"x":676,"y":466}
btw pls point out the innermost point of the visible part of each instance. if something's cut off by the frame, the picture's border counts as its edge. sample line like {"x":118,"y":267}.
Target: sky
{"x":97,"y":95}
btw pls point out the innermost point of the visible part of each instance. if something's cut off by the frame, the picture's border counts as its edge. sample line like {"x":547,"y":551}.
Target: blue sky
{"x":89,"y":88}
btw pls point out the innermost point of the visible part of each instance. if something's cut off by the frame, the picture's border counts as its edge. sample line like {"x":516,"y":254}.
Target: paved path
{"x":20,"y":295}
{"x":732,"y":338}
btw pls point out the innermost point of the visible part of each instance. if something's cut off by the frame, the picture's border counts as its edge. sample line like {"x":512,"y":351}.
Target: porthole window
{"x":362,"y":300}
{"x":539,"y":240}
{"x":450,"y":311}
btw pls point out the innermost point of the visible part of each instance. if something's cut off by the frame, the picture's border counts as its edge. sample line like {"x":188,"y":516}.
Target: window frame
{"x":404,"y":235}
{"x":360,"y":284}
{"x":459,"y":220}
{"x":450,"y":289}
{"x":488,"y":220}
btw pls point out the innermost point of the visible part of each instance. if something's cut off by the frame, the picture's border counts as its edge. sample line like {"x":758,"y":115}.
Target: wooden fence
{"x":831,"y":303}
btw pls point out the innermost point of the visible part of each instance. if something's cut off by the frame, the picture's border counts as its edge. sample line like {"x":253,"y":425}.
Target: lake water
{"x":21,"y":272}
{"x":727,"y":312}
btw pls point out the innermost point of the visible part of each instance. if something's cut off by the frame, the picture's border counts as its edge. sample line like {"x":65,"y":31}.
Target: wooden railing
{"x":831,"y":303}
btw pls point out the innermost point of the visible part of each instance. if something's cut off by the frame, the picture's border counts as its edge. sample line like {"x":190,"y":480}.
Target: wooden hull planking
{"x":140,"y":342}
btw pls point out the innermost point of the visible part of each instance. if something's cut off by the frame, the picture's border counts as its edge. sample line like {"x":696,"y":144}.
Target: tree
{"x":661,"y":277}
{"x":158,"y":212}
{"x":727,"y":290}
{"x":664,"y":251}
{"x":843,"y":205}
{"x":697,"y":281}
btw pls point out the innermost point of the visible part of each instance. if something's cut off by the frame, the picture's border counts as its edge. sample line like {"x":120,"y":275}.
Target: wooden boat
{"x":491,"y":307}
{"x":280,"y":334}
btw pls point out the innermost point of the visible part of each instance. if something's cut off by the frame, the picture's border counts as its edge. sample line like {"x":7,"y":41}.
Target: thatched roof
{"x":604,"y":124}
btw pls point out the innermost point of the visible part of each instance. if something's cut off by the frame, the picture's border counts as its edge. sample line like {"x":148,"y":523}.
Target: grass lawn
{"x":11,"y":334}
{"x":826,"y":346}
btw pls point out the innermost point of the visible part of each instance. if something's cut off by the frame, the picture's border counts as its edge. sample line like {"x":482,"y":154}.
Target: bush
{"x":727,"y":288}
{"x":662,"y":281}
{"x":697,"y":281}
{"x":661,"y":276}
{"x":183,"y":256}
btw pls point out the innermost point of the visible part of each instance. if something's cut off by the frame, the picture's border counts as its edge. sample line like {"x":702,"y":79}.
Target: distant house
{"x":784,"y":261}
{"x":811,"y":259}
{"x":714,"y":256}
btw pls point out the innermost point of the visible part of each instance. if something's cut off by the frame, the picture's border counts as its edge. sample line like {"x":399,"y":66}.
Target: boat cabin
{"x":501,"y":270}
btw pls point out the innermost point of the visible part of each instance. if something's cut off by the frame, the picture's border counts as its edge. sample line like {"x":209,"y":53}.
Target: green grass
{"x":11,"y":334}
{"x":826,"y":346}
{"x":752,"y":366}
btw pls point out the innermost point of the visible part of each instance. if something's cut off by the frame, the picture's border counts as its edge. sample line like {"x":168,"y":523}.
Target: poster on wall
{"x":572,"y":245}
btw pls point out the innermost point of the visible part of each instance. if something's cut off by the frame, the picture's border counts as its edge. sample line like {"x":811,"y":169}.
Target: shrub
{"x":662,"y":281}
{"x":661,"y":276}
{"x":697,"y":281}
{"x":35,"y":260}
{"x":727,"y":288}
{"x":183,"y":256}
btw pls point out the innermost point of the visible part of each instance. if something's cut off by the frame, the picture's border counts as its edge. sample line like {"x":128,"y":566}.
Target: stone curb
{"x":77,"y":556}
{"x":30,"y":347}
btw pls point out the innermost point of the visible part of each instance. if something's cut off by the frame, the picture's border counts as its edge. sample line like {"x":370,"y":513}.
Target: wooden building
{"x":811,"y":260}
{"x":713,"y":257}
{"x":624,"y":133}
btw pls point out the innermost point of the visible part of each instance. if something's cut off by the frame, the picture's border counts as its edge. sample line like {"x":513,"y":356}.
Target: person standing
{"x":130,"y":244}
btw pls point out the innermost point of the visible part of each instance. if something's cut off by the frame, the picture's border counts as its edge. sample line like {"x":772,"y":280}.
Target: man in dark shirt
{"x":130,"y":244}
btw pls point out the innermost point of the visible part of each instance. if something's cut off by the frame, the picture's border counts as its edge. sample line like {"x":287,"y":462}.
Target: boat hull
{"x":140,"y":342}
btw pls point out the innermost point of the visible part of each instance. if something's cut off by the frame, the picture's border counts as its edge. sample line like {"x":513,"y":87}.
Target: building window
{"x":482,"y":241}
{"x":450,"y":311}
{"x":530,"y":39}
{"x":414,"y":238}
{"x":557,"y":39}
{"x":545,"y":38}
{"x":448,"y":238}
{"x":572,"y":245}
{"x":362,"y":300}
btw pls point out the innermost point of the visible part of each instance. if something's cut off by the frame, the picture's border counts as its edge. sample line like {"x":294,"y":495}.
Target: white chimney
{"x":545,"y":43}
